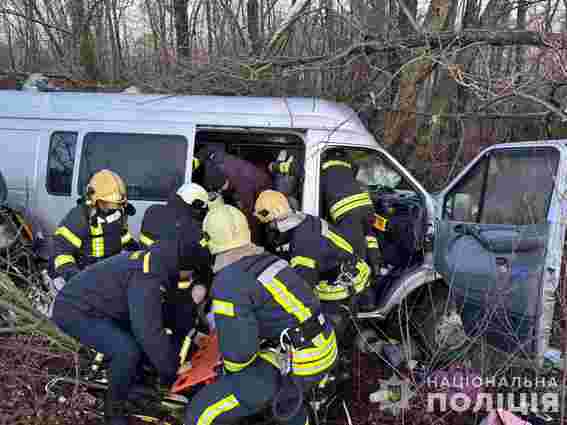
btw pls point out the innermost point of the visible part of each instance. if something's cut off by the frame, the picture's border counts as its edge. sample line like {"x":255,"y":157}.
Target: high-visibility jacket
{"x":258,"y":297}
{"x":317,"y":251}
{"x":340,"y":190}
{"x":350,"y":209}
{"x":82,"y":239}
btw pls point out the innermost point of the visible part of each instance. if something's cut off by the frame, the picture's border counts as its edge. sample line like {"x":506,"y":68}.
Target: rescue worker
{"x":188,"y":205}
{"x":96,"y":228}
{"x":318,"y":253}
{"x":115,"y":307}
{"x":237,"y":180}
{"x":349,"y":207}
{"x":257,"y":296}
{"x":185,"y":208}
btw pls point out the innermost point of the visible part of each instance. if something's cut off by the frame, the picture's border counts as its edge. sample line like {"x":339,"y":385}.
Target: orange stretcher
{"x":204,"y":365}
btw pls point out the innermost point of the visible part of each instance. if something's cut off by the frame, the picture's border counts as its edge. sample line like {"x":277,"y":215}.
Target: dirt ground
{"x":30,"y":396}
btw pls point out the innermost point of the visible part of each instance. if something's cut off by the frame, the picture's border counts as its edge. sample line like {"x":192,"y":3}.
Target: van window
{"x":375,"y":174}
{"x":60,"y":162}
{"x":151,"y":165}
{"x":490,"y":193}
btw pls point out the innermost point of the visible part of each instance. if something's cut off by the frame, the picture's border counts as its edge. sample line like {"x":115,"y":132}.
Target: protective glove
{"x":283,"y":164}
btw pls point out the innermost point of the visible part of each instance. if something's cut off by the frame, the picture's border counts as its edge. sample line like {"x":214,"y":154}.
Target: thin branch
{"x":439,"y":41}
{"x":409,"y":16}
{"x":543,"y":103}
{"x":37,"y":21}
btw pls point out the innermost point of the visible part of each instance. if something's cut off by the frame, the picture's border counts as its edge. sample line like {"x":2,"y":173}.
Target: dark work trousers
{"x":180,"y":314}
{"x":238,"y":395}
{"x":356,"y":227}
{"x":105,"y":336}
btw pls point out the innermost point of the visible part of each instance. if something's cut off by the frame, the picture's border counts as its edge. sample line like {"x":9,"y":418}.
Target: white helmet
{"x":190,"y":192}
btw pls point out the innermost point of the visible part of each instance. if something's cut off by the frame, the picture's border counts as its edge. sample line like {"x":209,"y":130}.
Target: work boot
{"x":115,"y":411}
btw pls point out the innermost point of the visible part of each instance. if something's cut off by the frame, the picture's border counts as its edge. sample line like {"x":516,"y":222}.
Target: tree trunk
{"x":77,"y":8}
{"x":182,"y":27}
{"x":253,"y":26}
{"x":404,"y":116}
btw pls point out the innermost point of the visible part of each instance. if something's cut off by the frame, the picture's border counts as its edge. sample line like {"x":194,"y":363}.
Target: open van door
{"x":498,"y":243}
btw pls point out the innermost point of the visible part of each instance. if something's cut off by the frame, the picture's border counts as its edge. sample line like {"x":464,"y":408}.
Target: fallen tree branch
{"x":438,"y":40}
{"x":544,"y":103}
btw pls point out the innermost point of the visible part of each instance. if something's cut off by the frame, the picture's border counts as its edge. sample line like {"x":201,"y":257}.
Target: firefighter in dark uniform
{"x":256,"y":297}
{"x":96,"y":228}
{"x":186,"y":208}
{"x":349,"y":207}
{"x":239,"y":181}
{"x":115,"y":306}
{"x":317,"y":252}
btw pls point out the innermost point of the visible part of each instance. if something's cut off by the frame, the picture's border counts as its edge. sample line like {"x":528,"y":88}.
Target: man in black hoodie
{"x":185,"y":208}
{"x":115,"y":307}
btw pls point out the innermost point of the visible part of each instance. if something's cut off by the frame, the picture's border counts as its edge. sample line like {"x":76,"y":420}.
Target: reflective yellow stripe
{"x":196,"y":163}
{"x":147,"y":262}
{"x":350,"y":207}
{"x":349,"y":199}
{"x":334,"y":163}
{"x":183,"y":284}
{"x":287,"y":300}
{"x":217,"y":409}
{"x":146,"y":240}
{"x":371,"y":242}
{"x":349,"y":203}
{"x":223,"y":307}
{"x":237,"y":366}
{"x":97,"y":242}
{"x":322,"y":348}
{"x":184,"y":349}
{"x":303,"y":261}
{"x":135,"y":255}
{"x":69,"y":236}
{"x":328,"y":292}
{"x":339,"y":241}
{"x":126,"y":238}
{"x":307,"y":361}
{"x":318,"y":359}
{"x":61,"y":260}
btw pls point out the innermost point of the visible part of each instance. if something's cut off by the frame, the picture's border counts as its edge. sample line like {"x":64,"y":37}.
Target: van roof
{"x":276,"y":112}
